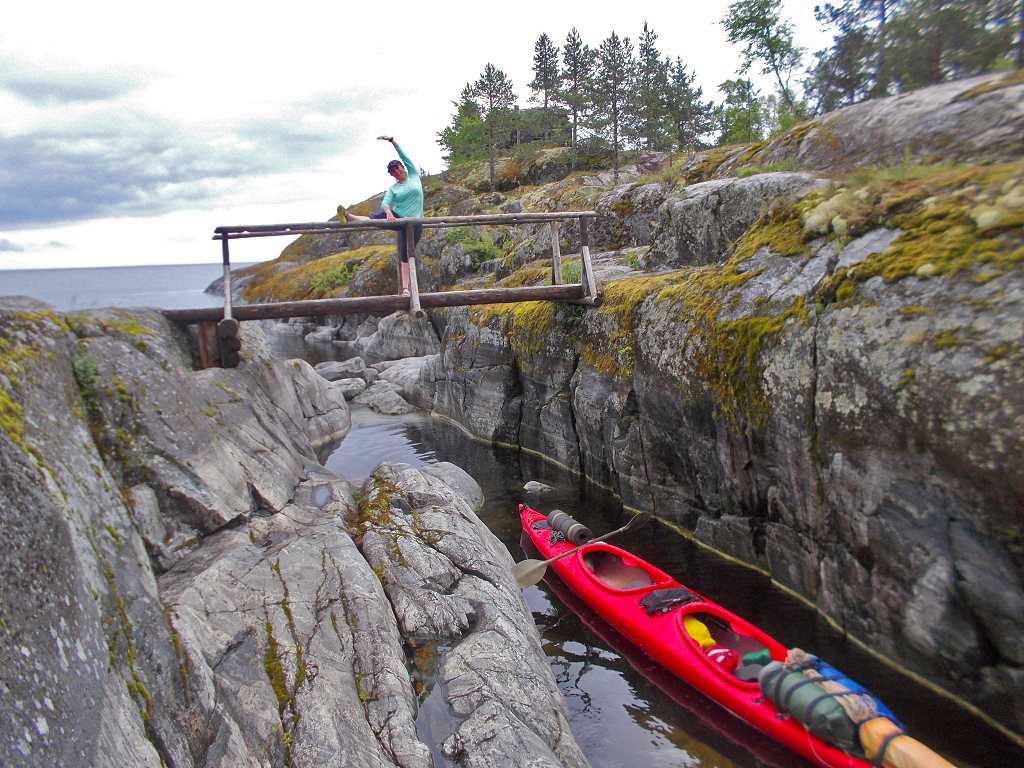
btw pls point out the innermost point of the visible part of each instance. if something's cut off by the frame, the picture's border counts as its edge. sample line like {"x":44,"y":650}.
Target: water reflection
{"x":623,"y":708}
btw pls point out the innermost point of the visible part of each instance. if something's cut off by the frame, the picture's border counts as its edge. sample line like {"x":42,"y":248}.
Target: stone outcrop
{"x":809,"y":361}
{"x":398,"y":335}
{"x":965,"y":120}
{"x":834,"y":396}
{"x":186,"y":585}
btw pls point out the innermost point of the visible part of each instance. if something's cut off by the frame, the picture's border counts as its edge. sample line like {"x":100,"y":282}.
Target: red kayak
{"x":696,"y":639}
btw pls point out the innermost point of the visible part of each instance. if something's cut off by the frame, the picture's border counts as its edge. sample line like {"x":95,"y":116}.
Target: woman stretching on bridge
{"x":403,"y":200}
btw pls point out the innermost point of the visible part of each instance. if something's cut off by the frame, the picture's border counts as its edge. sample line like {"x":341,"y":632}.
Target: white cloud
{"x":129,"y":134}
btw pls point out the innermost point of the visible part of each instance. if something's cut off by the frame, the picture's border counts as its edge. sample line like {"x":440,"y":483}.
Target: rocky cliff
{"x":185,"y":585}
{"x":809,"y":355}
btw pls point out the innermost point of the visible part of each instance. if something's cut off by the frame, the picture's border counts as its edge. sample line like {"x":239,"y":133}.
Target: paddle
{"x":529,"y":572}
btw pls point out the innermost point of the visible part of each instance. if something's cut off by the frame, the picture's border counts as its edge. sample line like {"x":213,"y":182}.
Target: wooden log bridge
{"x":219,"y":344}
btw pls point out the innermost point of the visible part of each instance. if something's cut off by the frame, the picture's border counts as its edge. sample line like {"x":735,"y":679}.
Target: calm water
{"x":625,"y":710}
{"x":174,"y":286}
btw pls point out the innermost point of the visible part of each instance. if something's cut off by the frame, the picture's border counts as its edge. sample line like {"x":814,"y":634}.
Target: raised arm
{"x":410,"y":166}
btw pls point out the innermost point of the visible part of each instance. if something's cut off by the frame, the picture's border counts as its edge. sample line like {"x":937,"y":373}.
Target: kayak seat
{"x":612,"y":572}
{"x":723,"y":635}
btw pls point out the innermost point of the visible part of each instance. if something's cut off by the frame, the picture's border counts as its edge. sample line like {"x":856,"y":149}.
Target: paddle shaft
{"x":529,"y":572}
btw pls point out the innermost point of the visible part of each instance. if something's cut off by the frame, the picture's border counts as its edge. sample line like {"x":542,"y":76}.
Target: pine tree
{"x":465,"y":138}
{"x":688,"y":117}
{"x":615,"y":71}
{"x":931,"y":41}
{"x":545,"y":70}
{"x":647,"y":125}
{"x":741,"y":117}
{"x":846,"y":72}
{"x":769,"y":41}
{"x":496,"y":98}
{"x":575,"y":88}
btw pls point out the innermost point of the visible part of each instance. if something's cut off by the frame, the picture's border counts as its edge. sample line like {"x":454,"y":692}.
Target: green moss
{"x":779,"y":230}
{"x":998,"y":352}
{"x":15,"y":357}
{"x":612,"y":354}
{"x":1014,"y":78}
{"x":328,"y":281}
{"x":779,"y":167}
{"x":372,"y":508}
{"x":946,"y":339}
{"x":940,"y":237}
{"x":281,"y":280}
{"x":127,"y":327}
{"x":709,"y":162}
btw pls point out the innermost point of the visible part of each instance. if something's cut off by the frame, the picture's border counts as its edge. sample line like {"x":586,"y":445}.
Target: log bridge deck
{"x":219,"y":344}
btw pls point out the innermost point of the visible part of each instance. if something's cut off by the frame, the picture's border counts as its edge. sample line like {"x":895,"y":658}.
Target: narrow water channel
{"x":625,"y":710}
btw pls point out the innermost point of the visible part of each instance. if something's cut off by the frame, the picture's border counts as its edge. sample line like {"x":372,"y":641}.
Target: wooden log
{"x":380,"y":304}
{"x":554,"y":228}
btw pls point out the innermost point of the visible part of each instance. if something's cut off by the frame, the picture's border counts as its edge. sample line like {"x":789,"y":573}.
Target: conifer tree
{"x":931,"y":41}
{"x":465,"y":138}
{"x":688,"y":116}
{"x":575,"y":87}
{"x":741,"y":117}
{"x":647,"y":124}
{"x":614,"y":74}
{"x":496,"y":98}
{"x":545,"y":70}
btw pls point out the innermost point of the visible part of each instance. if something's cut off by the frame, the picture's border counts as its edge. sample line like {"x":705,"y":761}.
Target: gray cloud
{"x":120,"y":162}
{"x":56,"y":88}
{"x":9,"y":246}
{"x":49,"y":87}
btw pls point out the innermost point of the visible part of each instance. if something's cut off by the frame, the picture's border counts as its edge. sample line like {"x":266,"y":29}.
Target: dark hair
{"x":393,"y":164}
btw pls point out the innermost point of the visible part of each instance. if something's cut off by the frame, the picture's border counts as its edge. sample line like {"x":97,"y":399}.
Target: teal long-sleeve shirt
{"x":405,"y":198}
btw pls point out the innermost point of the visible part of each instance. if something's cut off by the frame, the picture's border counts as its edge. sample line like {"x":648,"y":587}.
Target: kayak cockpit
{"x":734,"y":648}
{"x":618,"y":571}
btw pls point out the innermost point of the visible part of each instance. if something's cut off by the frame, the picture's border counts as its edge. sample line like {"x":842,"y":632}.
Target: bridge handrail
{"x":433,"y":222}
{"x":552,"y":218}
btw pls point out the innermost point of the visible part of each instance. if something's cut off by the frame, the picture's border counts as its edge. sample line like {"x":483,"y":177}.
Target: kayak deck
{"x":693,"y":637}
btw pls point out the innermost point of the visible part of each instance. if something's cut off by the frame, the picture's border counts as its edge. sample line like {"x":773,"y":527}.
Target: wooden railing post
{"x":587,"y":269}
{"x":414,"y":289}
{"x":398,"y":257}
{"x":227,"y":277}
{"x":554,"y":229}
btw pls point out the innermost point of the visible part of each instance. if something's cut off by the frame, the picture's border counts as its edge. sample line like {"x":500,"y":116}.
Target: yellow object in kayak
{"x":698,"y":630}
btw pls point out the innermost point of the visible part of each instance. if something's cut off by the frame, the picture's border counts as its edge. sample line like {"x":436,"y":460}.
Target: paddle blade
{"x":529,"y":572}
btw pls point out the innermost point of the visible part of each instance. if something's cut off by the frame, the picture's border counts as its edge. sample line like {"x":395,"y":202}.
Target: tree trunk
{"x":881,"y":76}
{"x":490,"y":142}
{"x":615,"y":143}
{"x":1020,"y":36}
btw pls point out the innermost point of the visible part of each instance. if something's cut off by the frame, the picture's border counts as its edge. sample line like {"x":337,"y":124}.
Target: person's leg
{"x":403,"y":263}
{"x":404,"y":269}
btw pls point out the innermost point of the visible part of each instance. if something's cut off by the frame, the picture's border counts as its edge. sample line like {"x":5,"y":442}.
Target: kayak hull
{"x":612,"y":581}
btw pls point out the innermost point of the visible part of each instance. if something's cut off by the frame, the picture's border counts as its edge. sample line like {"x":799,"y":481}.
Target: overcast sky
{"x":129,"y":130}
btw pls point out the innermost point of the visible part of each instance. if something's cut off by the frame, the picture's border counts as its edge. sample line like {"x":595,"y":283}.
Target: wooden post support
{"x":398,"y":258}
{"x":414,"y":289}
{"x":589,"y":284}
{"x":227,"y":278}
{"x":228,"y":343}
{"x":554,"y":229}
{"x":207,"y":333}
